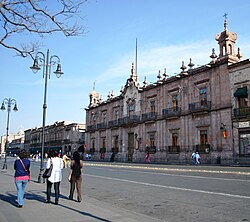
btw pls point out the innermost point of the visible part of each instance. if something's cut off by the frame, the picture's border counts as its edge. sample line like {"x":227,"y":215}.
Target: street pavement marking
{"x":181,"y":175}
{"x":167,"y":169}
{"x":170,"y":187}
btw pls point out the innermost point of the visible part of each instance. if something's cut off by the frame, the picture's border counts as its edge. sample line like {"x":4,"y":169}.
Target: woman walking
{"x":75,"y":176}
{"x":56,"y":176}
{"x":22,"y":175}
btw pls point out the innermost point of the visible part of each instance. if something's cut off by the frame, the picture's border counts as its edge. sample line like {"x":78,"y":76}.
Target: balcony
{"x":242,"y":112}
{"x":174,"y":149}
{"x":203,"y":105}
{"x":113,"y":123}
{"x":91,"y":128}
{"x":171,"y":112}
{"x":129,"y":120}
{"x":101,"y":126}
{"x":152,"y":116}
{"x":202,"y":148}
{"x":151,"y":149}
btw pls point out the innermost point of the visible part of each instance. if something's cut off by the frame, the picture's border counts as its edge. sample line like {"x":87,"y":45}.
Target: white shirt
{"x":56,"y":174}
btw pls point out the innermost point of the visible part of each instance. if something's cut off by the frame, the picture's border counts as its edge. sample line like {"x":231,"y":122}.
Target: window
{"x":175,"y":101}
{"x":131,"y":107}
{"x":116,"y":114}
{"x":174,"y":139}
{"x":104,"y":116}
{"x":152,"y":140}
{"x":93,"y":144}
{"x":244,"y":148}
{"x":94,"y":116}
{"x":152,"y":106}
{"x":203,"y":137}
{"x":116,"y":142}
{"x":242,"y":102}
{"x":203,"y":96}
{"x":104,"y":142}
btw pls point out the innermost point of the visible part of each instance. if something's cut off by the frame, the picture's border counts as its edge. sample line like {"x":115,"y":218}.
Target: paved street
{"x":173,"y":193}
{"x":136,"y":192}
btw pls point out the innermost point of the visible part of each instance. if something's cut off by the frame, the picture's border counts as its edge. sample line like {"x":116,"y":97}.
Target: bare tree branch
{"x":39,"y":18}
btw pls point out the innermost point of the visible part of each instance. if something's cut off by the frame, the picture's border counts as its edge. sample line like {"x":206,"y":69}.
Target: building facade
{"x":64,"y":137}
{"x":239,"y":74}
{"x":15,"y":143}
{"x":196,"y":110}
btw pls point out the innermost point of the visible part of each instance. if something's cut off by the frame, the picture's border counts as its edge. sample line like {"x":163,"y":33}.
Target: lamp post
{"x":9,"y":102}
{"x":46,"y":61}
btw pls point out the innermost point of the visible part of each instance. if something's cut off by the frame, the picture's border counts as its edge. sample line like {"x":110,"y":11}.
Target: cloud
{"x":153,"y":58}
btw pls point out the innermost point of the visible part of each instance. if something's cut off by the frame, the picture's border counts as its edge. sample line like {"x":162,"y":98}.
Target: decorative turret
{"x":133,"y":77}
{"x":226,"y":41}
{"x":213,"y":56}
{"x":165,"y":74}
{"x":191,"y":65}
{"x":159,"y":75}
{"x":145,"y":83}
{"x":94,"y":97}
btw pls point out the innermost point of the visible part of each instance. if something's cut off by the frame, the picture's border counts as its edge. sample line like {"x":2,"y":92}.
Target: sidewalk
{"x":35,"y":209}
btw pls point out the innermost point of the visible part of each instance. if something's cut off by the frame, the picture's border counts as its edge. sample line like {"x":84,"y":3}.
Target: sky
{"x":167,"y":31}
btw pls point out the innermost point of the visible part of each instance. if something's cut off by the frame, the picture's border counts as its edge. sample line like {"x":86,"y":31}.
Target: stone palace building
{"x":204,"y":109}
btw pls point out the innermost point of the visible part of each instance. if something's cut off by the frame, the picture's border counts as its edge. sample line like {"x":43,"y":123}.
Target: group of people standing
{"x":22,"y":176}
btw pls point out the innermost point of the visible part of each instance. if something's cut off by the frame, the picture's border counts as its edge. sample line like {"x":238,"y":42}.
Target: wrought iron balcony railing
{"x":113,"y":123}
{"x":203,"y":105}
{"x":151,"y":149}
{"x":242,"y":112}
{"x":91,"y":128}
{"x":202,"y":148}
{"x":102,"y":125}
{"x":133,"y":119}
{"x":149,"y":116}
{"x":170,"y":112}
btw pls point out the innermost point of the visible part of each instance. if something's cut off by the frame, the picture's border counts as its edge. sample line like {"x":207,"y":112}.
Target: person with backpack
{"x":75,"y":176}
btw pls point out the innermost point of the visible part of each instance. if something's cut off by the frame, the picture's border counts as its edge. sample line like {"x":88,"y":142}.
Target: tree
{"x":39,"y":18}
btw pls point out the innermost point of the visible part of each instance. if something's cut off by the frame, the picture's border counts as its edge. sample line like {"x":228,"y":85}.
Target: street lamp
{"x":46,"y":62}
{"x":9,"y":102}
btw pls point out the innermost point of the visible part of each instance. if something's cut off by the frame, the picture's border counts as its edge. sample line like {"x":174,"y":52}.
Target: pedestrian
{"x":65,"y":160}
{"x":75,"y":176}
{"x":147,"y":157}
{"x":56,"y":176}
{"x":193,"y":158}
{"x":112,"y":158}
{"x":22,"y":175}
{"x":197,"y":158}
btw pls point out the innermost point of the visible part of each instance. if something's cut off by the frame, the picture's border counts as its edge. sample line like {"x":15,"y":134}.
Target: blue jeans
{"x":20,"y":186}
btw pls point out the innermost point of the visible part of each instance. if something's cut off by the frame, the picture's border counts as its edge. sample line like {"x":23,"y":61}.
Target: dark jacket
{"x":20,"y":171}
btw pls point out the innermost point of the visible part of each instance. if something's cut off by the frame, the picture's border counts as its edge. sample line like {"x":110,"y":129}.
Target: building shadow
{"x":86,"y":214}
{"x":11,"y":198}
